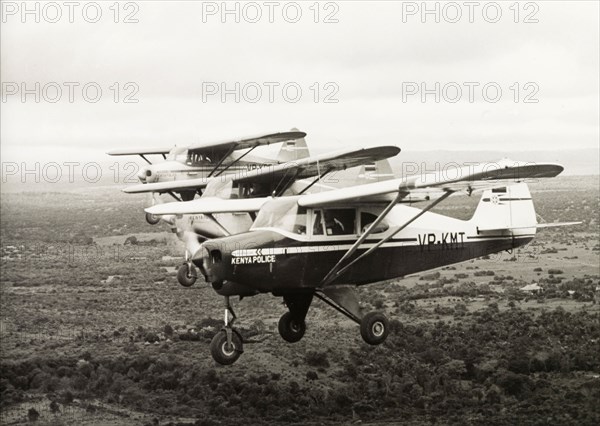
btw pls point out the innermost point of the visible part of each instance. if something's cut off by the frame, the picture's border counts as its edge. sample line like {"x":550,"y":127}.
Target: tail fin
{"x":374,"y":172}
{"x":506,"y":208}
{"x":293,"y":150}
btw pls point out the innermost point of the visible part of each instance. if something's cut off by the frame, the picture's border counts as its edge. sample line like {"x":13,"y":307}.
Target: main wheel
{"x":374,"y":328}
{"x":291,"y":329}
{"x":187,"y":275}
{"x":152,"y":219}
{"x":224,"y":353}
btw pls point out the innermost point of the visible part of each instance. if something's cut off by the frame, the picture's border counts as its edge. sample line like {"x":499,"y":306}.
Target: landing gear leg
{"x":374,"y":326}
{"x":226,"y":347}
{"x":292,"y":324}
{"x":187,"y":274}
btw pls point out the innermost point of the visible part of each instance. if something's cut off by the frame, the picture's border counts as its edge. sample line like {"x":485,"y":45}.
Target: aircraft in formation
{"x":305,"y":244}
{"x":289,"y":174}
{"x":204,"y":160}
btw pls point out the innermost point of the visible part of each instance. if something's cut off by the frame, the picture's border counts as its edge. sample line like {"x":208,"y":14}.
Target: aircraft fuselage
{"x":272,"y":260}
{"x":173,"y":170}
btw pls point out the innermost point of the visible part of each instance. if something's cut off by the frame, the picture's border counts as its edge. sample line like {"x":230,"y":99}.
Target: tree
{"x":131,"y":240}
{"x":33,"y":415}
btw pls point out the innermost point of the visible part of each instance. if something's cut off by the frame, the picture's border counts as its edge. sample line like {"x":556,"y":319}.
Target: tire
{"x":374,"y":328}
{"x":187,"y":277}
{"x":152,"y":219}
{"x":220,"y":351}
{"x":291,"y":329}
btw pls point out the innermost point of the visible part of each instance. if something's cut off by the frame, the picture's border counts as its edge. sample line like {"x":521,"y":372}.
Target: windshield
{"x":185,"y":156}
{"x":177,"y":152}
{"x":284,"y":214}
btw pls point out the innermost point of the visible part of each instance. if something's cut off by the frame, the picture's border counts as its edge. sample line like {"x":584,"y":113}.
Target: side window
{"x":300,"y":222}
{"x":317,"y":222}
{"x":340,"y":221}
{"x":366,"y":219}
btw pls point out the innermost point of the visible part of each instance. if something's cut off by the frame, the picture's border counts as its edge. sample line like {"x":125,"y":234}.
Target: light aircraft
{"x":208,"y":159}
{"x":325,"y":244}
{"x":291,"y":178}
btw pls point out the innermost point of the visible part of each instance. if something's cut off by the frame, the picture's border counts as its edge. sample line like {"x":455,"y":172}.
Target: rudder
{"x":293,"y":150}
{"x":508,"y":207}
{"x":377,"y":171}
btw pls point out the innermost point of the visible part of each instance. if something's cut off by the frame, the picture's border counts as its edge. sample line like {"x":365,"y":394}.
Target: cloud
{"x":368,"y":56}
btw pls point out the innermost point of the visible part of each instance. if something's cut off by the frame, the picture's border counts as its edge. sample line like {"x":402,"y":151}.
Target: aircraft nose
{"x":144,"y":174}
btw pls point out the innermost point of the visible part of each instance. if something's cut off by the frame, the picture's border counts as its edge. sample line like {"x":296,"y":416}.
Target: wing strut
{"x":285,"y":184}
{"x":216,"y":222}
{"x":235,"y":161}
{"x":147,"y":161}
{"x":223,"y":158}
{"x":338,"y":307}
{"x":315,"y":181}
{"x":172,"y":194}
{"x":337,"y":270}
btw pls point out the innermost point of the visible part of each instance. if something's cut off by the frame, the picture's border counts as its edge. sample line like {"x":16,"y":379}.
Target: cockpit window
{"x":195,"y":159}
{"x":339,"y":221}
{"x":284,"y":214}
{"x":366,"y":219}
{"x":191,"y":158}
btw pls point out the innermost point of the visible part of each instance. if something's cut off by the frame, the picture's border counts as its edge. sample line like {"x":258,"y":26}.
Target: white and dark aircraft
{"x":210,"y":159}
{"x":323,"y":245}
{"x":291,"y":178}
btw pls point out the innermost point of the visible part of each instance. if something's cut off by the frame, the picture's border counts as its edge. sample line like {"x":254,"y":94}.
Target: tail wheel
{"x":290,"y":328}
{"x":226,"y":353}
{"x":152,"y":219}
{"x":186,"y":275}
{"x":374,"y":328}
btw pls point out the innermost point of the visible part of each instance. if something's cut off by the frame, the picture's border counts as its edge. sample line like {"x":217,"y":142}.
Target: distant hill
{"x":114,"y":175}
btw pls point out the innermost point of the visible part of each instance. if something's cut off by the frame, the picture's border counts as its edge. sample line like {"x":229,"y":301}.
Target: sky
{"x":363,"y":74}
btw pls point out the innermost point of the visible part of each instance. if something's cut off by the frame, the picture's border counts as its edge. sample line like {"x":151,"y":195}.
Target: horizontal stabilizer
{"x":556,"y":225}
{"x":537,"y":226}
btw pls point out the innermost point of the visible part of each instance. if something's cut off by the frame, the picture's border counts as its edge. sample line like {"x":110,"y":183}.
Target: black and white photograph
{"x":299,"y":213}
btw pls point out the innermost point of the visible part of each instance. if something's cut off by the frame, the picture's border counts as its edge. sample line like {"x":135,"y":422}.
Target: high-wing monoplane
{"x":325,"y":244}
{"x":209,"y":159}
{"x":250,"y":191}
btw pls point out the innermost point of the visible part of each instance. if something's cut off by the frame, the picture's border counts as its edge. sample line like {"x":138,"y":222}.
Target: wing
{"x":160,"y":187}
{"x":218,"y":150}
{"x":472,"y":178}
{"x":209,"y":205}
{"x":281,"y":175}
{"x":141,"y":151}
{"x":285,"y":174}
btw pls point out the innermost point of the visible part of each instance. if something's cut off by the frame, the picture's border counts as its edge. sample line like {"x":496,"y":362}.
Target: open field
{"x":95,"y":331}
